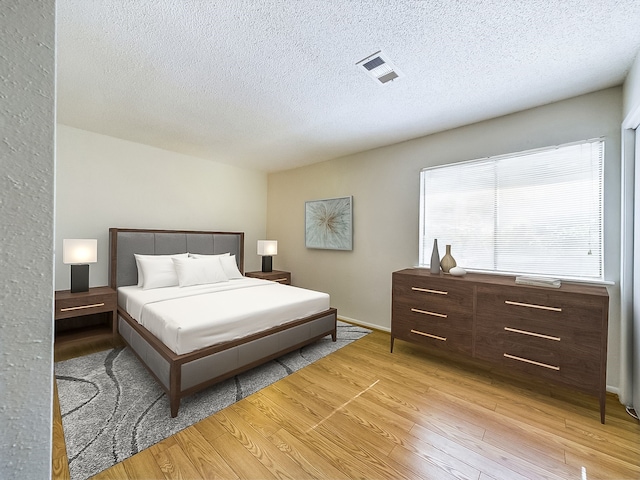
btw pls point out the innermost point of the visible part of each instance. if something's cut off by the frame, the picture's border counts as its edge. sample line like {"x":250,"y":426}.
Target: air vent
{"x":378,"y":67}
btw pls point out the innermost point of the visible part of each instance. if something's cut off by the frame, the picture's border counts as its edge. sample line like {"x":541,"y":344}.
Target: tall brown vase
{"x":447,"y":262}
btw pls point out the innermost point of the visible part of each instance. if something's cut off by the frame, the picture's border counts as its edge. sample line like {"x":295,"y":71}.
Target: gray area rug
{"x":112,"y":408}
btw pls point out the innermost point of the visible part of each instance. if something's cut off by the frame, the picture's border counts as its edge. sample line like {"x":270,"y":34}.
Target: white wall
{"x":385,"y":186}
{"x":631,"y":94}
{"x":27,"y":119}
{"x":630,"y":286}
{"x":105,"y":182}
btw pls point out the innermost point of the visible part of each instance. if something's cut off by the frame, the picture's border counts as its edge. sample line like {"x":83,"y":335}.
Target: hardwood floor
{"x":363,"y":412}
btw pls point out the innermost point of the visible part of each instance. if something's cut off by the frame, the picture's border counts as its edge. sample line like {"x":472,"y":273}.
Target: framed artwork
{"x":328,"y":223}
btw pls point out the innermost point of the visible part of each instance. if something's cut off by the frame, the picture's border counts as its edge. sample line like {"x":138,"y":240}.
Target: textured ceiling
{"x":273,"y":84}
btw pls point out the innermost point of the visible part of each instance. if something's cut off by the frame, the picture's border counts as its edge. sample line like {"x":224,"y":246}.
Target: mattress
{"x":189,"y":318}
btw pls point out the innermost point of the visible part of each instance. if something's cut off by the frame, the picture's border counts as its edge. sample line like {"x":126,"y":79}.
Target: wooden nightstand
{"x":275,"y":276}
{"x":85,"y":316}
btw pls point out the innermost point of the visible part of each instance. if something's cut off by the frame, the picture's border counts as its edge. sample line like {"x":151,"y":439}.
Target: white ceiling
{"x":273,"y":84}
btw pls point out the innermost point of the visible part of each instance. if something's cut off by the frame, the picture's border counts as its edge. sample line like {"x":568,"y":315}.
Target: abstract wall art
{"x":328,"y":223}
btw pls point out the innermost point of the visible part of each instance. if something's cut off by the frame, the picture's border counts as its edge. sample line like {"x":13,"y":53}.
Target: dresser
{"x":555,"y":334}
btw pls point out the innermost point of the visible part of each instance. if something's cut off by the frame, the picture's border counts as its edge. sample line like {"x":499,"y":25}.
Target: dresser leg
{"x":392,"y":339}
{"x":603,"y":403}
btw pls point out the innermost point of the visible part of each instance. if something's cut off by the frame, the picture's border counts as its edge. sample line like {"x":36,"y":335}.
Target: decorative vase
{"x":435,"y":258}
{"x":447,"y":262}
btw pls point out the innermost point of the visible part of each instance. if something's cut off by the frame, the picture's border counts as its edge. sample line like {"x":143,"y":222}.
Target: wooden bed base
{"x":183,"y":375}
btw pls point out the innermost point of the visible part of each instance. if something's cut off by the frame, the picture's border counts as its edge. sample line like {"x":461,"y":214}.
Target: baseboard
{"x":364,"y":324}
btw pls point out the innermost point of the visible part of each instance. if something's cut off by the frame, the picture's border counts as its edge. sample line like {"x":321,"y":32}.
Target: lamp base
{"x":266,"y":264}
{"x":79,"y":278}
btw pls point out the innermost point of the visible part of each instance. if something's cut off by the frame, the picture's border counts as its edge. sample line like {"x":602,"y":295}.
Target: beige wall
{"x":105,"y":182}
{"x":385,"y":186}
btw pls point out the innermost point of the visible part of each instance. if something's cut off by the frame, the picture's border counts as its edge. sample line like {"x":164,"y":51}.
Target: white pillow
{"x":158,"y":273}
{"x":230,"y":267}
{"x":201,"y":255}
{"x":154,"y":257}
{"x":198,"y":271}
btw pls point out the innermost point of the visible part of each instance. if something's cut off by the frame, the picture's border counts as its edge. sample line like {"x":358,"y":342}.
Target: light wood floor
{"x":365,"y":413}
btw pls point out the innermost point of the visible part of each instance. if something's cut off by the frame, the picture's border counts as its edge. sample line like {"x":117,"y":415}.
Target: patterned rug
{"x":112,"y":408}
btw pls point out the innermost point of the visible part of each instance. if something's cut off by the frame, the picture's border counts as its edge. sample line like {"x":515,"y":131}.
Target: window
{"x":536,"y":212}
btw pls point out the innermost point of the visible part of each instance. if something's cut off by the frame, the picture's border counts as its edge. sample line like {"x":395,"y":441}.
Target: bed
{"x":187,"y":359}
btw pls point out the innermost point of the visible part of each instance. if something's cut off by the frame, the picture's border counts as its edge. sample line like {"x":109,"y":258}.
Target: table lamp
{"x":267,"y":248}
{"x":79,"y":253}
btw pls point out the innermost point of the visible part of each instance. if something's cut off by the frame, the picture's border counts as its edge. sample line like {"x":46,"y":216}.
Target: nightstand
{"x":275,"y":276}
{"x":85,"y":316}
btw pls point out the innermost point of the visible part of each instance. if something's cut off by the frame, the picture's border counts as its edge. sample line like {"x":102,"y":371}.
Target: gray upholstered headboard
{"x":124,"y":242}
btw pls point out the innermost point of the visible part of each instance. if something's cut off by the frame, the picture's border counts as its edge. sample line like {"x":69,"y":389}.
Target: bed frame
{"x":183,"y":375}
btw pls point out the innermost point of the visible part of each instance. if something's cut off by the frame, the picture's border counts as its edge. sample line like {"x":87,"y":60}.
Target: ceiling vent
{"x":379,"y":67}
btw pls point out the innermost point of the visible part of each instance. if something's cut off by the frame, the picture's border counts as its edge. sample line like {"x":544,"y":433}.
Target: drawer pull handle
{"x":434,"y":314}
{"x":280,"y":279}
{"x":438,"y":292}
{"x":531,"y":305}
{"x":526,"y":360}
{"x":443,"y":339}
{"x":82,"y":307}
{"x":539,"y":335}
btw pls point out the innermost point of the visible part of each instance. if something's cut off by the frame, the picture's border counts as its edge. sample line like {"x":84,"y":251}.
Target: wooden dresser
{"x":556,"y":334}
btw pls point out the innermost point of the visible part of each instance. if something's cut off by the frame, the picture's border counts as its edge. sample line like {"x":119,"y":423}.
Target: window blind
{"x":537,"y":212}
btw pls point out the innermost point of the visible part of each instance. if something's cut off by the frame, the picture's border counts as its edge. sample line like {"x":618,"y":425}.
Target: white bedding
{"x":189,"y":318}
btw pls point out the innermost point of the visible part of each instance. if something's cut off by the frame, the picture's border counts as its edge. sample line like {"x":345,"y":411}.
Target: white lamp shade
{"x":79,"y":251}
{"x":267,"y":247}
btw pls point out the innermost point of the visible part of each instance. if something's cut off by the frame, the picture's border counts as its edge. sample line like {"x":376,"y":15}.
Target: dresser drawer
{"x":584,"y":338}
{"x":70,"y":305}
{"x":432,"y":332}
{"x":435,"y":294}
{"x":549,"y":358}
{"x":577,"y":319}
{"x":543,"y":352}
{"x":433,"y":316}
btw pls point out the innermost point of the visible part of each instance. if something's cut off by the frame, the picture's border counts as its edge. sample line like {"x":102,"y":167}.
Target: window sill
{"x":603,"y":283}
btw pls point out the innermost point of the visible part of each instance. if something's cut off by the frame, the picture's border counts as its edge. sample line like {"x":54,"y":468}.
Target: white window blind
{"x":536,"y":212}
